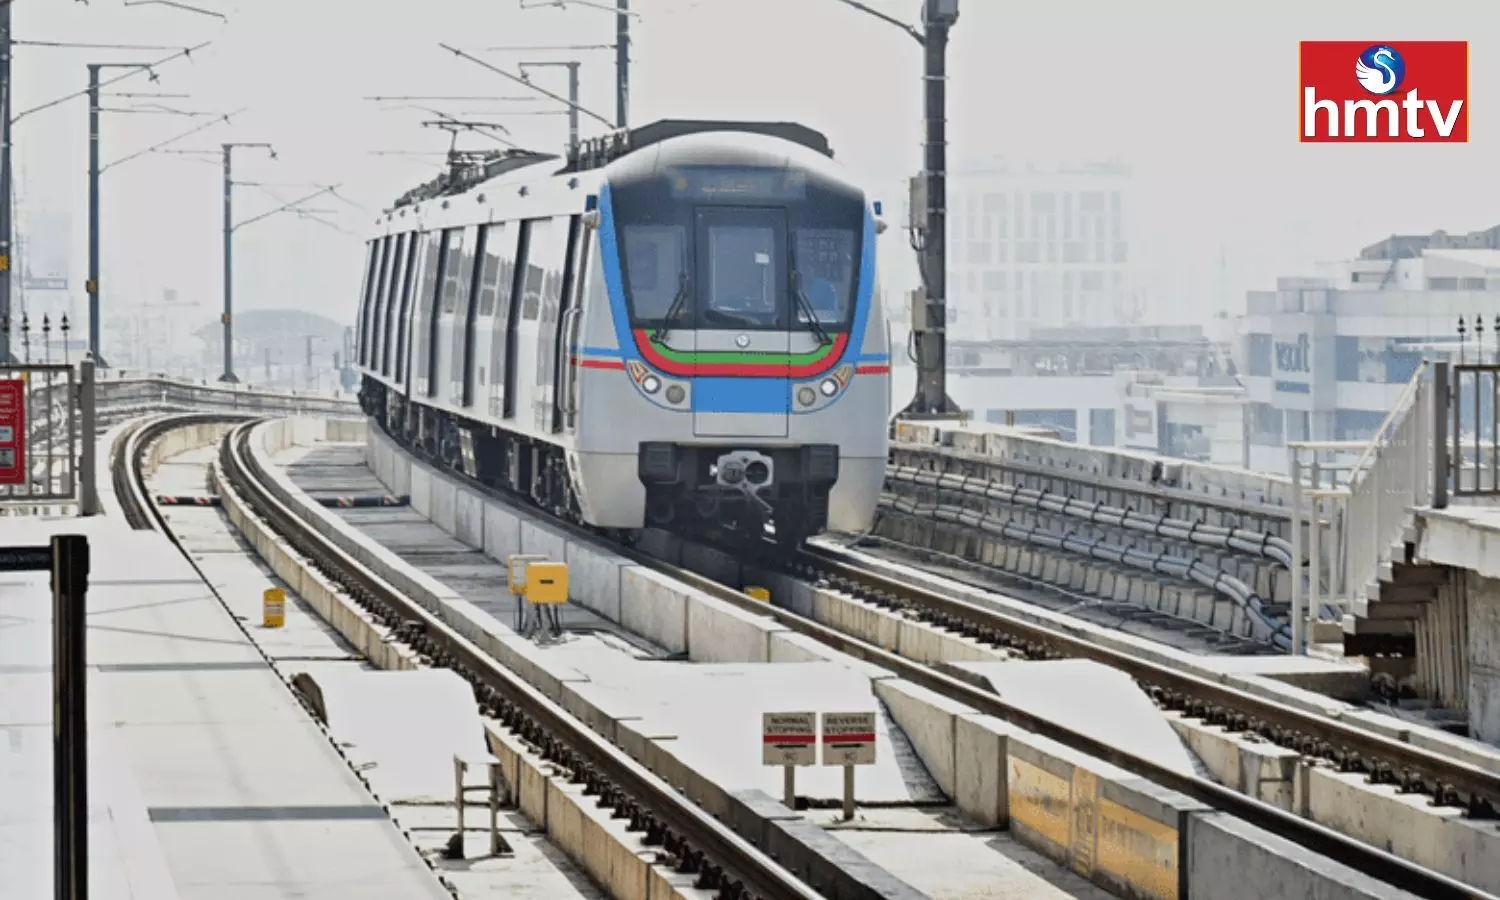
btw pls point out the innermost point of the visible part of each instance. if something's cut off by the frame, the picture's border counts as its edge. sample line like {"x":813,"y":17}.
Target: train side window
{"x":513,"y":318}
{"x":463,"y":326}
{"x":541,"y":253}
{"x":381,"y":351}
{"x":400,"y":351}
{"x":453,"y":259}
{"x":372,"y":259}
{"x":499,"y":271}
{"x":456,"y":305}
{"x":377,"y":299}
{"x":425,"y":327}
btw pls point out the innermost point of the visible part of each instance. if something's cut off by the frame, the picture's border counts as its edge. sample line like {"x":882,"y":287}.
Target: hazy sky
{"x":1201,"y":99}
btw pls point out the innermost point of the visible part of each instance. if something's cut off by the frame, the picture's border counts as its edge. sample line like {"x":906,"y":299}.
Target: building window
{"x":1091,"y":201}
{"x":1092,"y":280}
{"x":1258,"y":349}
{"x":1356,"y":424}
{"x":1442,"y":284}
{"x":1102,"y":427}
{"x":1266,"y":425}
{"x":1121,"y":251}
{"x":1028,"y":252}
{"x":1298,"y":425}
{"x":1075,"y":252}
{"x":1043,"y":202}
{"x":1346,"y":358}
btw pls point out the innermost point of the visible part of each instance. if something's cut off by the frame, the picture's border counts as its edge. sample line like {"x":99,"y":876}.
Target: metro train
{"x":675,"y":326}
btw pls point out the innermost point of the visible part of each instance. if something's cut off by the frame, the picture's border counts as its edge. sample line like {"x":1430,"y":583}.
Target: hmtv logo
{"x":1363,"y":92}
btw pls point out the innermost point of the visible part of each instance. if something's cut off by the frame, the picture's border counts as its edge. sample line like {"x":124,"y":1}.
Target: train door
{"x":575,"y":276}
{"x":744,"y":320}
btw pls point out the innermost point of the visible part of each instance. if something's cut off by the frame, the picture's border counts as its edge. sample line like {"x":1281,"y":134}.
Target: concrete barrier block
{"x":1120,"y":831}
{"x":653,"y":607}
{"x":855,"y":617}
{"x":635,"y":736}
{"x":594,"y":579}
{"x":502,"y":531}
{"x":468,"y":519}
{"x":720,"y":633}
{"x":538,"y":538}
{"x":980,"y":745}
{"x":1439,"y":838}
{"x":928,"y":719}
{"x":421,"y":490}
{"x":444,"y":503}
{"x":790,"y":647}
{"x":1229,"y":858}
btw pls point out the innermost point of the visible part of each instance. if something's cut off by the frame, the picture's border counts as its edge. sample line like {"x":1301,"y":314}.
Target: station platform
{"x":206,"y":777}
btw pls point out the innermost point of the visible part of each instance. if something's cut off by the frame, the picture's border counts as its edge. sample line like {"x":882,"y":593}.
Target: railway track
{"x":692,"y":841}
{"x":1353,"y":749}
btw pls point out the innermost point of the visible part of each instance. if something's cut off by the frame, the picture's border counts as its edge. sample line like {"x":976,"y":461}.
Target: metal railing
{"x":1361,"y":497}
{"x":46,"y":429}
{"x":1471,"y":465}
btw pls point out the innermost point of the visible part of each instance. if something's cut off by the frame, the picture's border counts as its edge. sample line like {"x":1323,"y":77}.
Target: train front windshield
{"x":739,"y":249}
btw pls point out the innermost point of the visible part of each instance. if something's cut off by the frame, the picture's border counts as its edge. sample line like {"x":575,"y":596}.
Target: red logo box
{"x":1429,"y":102}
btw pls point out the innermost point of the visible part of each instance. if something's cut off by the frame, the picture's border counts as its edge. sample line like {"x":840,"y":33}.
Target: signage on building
{"x":1292,"y":365}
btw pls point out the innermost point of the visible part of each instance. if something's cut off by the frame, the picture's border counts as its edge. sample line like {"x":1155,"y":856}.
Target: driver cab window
{"x":745,"y":273}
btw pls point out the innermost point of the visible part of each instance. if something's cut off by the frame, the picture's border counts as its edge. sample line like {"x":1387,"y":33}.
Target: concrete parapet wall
{"x":1009,"y":445}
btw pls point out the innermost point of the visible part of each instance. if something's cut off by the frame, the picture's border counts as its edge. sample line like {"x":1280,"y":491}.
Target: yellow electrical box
{"x":547,"y":583}
{"x":758,"y":593}
{"x":516,"y":564}
{"x":274,"y":608}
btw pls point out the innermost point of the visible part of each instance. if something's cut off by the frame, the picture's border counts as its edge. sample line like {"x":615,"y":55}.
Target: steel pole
{"x":70,"y":573}
{"x":573,"y":105}
{"x":7,"y":226}
{"x":228,"y":316}
{"x":931,"y":400}
{"x":93,"y":283}
{"x":622,"y":63}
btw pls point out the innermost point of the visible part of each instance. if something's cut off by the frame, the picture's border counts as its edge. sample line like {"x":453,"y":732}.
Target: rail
{"x":696,"y":841}
{"x":1451,"y":782}
{"x":1353,"y":749}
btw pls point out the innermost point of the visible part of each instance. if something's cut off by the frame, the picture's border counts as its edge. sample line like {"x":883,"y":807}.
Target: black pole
{"x":7,"y":226}
{"x":931,"y":398}
{"x":92,"y":287}
{"x":622,"y":63}
{"x":573,"y":106}
{"x":228,"y":316}
{"x":70,"y":576}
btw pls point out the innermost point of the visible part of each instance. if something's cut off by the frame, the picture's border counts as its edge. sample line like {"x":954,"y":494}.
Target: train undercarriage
{"x":776,"y":496}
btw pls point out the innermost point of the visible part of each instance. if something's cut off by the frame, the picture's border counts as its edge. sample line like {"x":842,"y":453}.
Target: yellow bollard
{"x":274,"y":608}
{"x":758,"y":593}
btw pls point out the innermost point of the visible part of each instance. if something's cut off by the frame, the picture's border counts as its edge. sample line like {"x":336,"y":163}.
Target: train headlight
{"x":806,"y":396}
{"x":650,"y":384}
{"x":676,"y":394}
{"x":829,"y":387}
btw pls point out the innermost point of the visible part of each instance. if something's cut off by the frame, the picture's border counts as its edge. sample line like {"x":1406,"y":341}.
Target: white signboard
{"x":789,"y":739}
{"x":849,"y":739}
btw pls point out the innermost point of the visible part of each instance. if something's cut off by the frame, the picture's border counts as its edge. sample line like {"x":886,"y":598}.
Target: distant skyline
{"x":1200,"y":101}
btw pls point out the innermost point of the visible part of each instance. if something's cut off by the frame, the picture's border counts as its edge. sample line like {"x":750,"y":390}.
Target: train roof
{"x":467,"y":170}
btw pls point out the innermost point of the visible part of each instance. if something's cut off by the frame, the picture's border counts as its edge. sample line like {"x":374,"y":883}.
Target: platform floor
{"x":207,"y":779}
{"x":339,"y":470}
{"x":409,"y":768}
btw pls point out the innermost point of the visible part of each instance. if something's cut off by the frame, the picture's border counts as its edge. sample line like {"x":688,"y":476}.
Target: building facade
{"x":1037,"y":247}
{"x":1325,"y":358}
